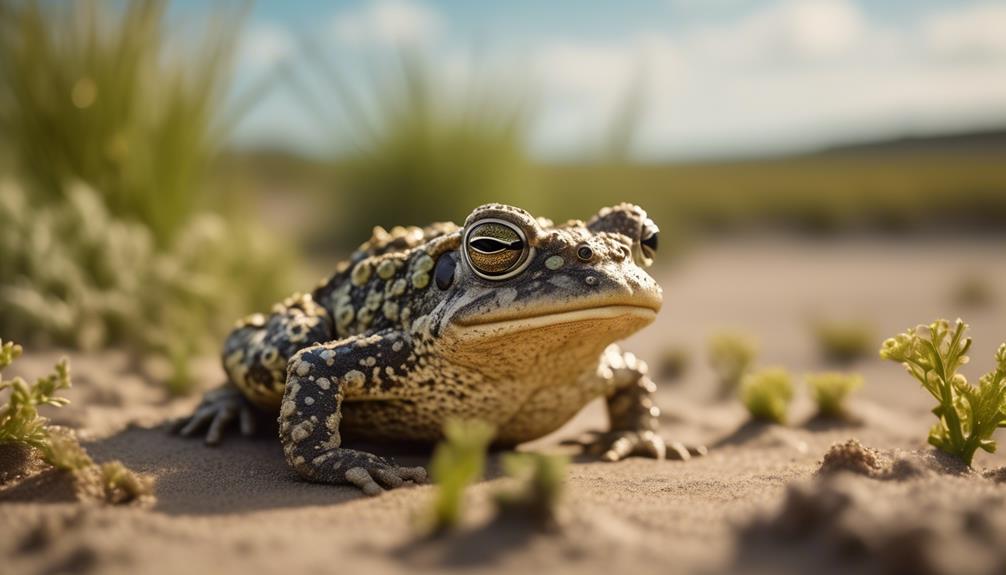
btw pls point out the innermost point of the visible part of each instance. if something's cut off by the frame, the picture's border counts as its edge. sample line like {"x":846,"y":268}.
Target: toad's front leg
{"x":634,"y":415}
{"x":319,"y":378}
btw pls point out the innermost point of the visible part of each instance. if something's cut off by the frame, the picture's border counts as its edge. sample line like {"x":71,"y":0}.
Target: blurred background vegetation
{"x":128,"y":219}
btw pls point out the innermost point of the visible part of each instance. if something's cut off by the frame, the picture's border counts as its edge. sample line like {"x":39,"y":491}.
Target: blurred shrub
{"x":844,"y":341}
{"x":673,"y":362}
{"x":731,"y":355}
{"x":830,"y":391}
{"x":97,"y":92}
{"x":974,"y":290}
{"x":823,"y":193}
{"x":426,"y":149}
{"x":767,"y":394}
{"x":74,"y":275}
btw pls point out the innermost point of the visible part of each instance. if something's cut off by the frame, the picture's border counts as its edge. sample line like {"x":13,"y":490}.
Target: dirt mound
{"x":884,"y":512}
{"x":17,"y":460}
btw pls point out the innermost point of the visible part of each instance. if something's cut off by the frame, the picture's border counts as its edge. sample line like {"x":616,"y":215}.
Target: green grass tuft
{"x":428,"y":149}
{"x":767,"y":394}
{"x":968,"y":414}
{"x":457,"y":462}
{"x":831,"y":390}
{"x":101,"y":92}
{"x":731,"y":355}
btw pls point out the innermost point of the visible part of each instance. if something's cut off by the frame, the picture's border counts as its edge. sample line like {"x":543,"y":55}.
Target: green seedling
{"x":967,"y":415}
{"x":830,"y":391}
{"x":541,"y":481}
{"x":673,"y":363}
{"x":844,"y":342}
{"x":731,"y":355}
{"x":459,"y":460}
{"x":767,"y":394}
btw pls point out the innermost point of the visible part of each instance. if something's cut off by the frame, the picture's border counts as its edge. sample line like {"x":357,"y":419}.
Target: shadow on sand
{"x":241,"y":475}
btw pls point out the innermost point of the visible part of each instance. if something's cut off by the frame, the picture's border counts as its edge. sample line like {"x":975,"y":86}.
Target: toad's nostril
{"x":585,"y":253}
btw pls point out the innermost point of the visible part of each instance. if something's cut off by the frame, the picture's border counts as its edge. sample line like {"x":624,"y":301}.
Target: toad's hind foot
{"x":620,"y":444}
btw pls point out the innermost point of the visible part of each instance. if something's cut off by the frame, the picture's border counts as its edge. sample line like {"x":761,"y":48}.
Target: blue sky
{"x":717,"y":77}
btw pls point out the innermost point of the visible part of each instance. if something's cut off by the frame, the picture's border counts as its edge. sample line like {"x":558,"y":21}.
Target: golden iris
{"x":495,"y":248}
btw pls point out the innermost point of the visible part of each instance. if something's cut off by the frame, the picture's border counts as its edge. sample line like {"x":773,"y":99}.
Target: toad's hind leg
{"x":319,"y":379}
{"x":257,"y":351}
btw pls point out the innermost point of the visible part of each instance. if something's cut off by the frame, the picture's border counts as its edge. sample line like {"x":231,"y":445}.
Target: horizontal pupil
{"x":491,"y":246}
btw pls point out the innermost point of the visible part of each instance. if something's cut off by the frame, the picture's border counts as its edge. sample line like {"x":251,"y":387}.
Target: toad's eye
{"x":496,"y":249}
{"x":648,"y":242}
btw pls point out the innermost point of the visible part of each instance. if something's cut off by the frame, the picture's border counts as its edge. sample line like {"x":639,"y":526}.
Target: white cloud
{"x":973,"y":31}
{"x":794,"y":73}
{"x":264,"y":45}
{"x":388,"y":23}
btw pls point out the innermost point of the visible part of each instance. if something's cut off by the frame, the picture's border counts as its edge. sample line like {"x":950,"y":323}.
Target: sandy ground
{"x":753,"y":504}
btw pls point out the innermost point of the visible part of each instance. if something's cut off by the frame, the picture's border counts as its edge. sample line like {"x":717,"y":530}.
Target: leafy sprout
{"x":830,"y":391}
{"x":767,"y":394}
{"x":457,"y":462}
{"x":731,"y":355}
{"x":967,"y":414}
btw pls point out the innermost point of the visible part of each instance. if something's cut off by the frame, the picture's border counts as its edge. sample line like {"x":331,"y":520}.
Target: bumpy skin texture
{"x":424,"y":325}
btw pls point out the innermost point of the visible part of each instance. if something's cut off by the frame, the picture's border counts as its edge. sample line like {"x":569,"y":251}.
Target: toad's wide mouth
{"x":644,"y":312}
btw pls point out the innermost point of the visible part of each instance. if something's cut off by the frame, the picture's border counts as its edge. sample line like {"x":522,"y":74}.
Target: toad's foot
{"x":219,"y":409}
{"x":370,"y":473}
{"x":619,"y":444}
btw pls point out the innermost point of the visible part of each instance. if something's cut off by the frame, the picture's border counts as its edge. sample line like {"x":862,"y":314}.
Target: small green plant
{"x":20,"y":421}
{"x":767,"y":394}
{"x":844,"y":341}
{"x":830,"y":391}
{"x":673,"y":362}
{"x":541,"y":482}
{"x":731,"y":355}
{"x":21,"y":424}
{"x":968,"y":414}
{"x":457,"y":461}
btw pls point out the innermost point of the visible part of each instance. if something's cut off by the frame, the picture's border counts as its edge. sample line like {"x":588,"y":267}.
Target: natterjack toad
{"x":508,"y":319}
